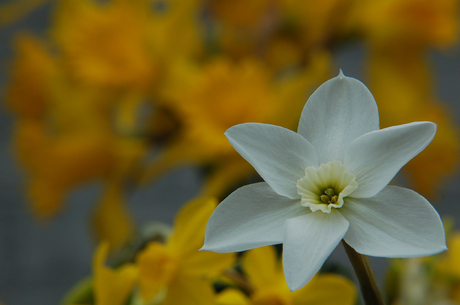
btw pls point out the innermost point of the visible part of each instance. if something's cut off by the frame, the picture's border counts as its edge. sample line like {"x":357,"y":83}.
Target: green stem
{"x":369,"y":287}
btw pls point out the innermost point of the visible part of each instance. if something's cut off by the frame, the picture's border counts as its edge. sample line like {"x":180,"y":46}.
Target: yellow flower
{"x":105,"y":44}
{"x":27,"y":93}
{"x":263,"y":271}
{"x":112,"y":287}
{"x":175,"y":29}
{"x":414,"y":22}
{"x":60,"y":165}
{"x":68,"y":133}
{"x":176,"y":272}
{"x":317,"y":22}
{"x":240,"y":12}
{"x":207,"y":100}
{"x":222,"y":94}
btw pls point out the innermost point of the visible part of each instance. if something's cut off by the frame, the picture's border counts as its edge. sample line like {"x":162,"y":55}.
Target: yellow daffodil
{"x":177,"y":273}
{"x":316,"y":23}
{"x":207,"y":100}
{"x":175,"y":30}
{"x":112,"y":286}
{"x":76,"y":149}
{"x":268,"y":287}
{"x":64,"y":136}
{"x":410,"y":22}
{"x":105,"y":44}
{"x":242,"y":26}
{"x":32,"y":70}
{"x":240,"y":12}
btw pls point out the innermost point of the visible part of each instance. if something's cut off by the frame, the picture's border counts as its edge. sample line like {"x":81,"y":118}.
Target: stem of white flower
{"x":369,"y":287}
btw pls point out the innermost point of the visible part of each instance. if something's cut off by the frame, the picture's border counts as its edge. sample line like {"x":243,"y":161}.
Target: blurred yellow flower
{"x":71,"y":145}
{"x":112,"y":286}
{"x":413,"y":22}
{"x":176,"y":29}
{"x":316,"y":23}
{"x":31,"y":72}
{"x":208,"y":100}
{"x":105,"y":44}
{"x":64,"y":133}
{"x":240,"y":12}
{"x":177,"y":273}
{"x":265,"y":275}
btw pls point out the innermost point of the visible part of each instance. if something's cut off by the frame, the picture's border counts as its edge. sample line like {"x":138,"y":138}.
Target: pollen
{"x":325,"y":188}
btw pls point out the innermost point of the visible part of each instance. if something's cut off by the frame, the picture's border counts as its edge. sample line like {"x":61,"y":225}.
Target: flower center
{"x":325,"y":187}
{"x":329,"y":196}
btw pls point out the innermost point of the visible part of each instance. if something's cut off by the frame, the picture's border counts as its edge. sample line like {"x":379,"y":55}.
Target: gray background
{"x":39,"y":262}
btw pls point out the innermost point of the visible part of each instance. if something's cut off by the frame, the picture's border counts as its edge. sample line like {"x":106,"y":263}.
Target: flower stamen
{"x":326,"y":187}
{"x":329,"y":196}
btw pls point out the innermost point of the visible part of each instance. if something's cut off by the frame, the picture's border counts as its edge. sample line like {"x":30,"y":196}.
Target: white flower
{"x":326,"y":183}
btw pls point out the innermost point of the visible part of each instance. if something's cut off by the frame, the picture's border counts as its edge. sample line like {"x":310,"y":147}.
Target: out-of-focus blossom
{"x":176,"y":30}
{"x":265,"y":275}
{"x":64,"y":134}
{"x":112,"y":286}
{"x":316,"y":23}
{"x":105,"y":44}
{"x":326,"y":183}
{"x":240,"y":12}
{"x":58,"y":163}
{"x":208,"y":100}
{"x":170,"y":273}
{"x":32,"y":71}
{"x":408,"y":22}
{"x":176,"y":272}
{"x":242,"y":27}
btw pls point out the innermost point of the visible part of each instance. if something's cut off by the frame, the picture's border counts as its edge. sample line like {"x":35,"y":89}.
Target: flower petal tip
{"x":341,"y":75}
{"x":295,"y":284}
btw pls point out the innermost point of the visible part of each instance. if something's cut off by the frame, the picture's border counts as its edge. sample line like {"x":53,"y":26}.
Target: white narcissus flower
{"x":326,"y":183}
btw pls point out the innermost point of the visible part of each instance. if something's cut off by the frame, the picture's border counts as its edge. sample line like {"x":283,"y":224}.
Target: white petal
{"x":376,"y":157}
{"x":397,"y":222}
{"x":308,"y":242}
{"x":338,"y":112}
{"x":278,"y":154}
{"x":252,"y":216}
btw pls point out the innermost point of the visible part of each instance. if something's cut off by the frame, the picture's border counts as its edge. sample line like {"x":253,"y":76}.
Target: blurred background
{"x":113,"y":112}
